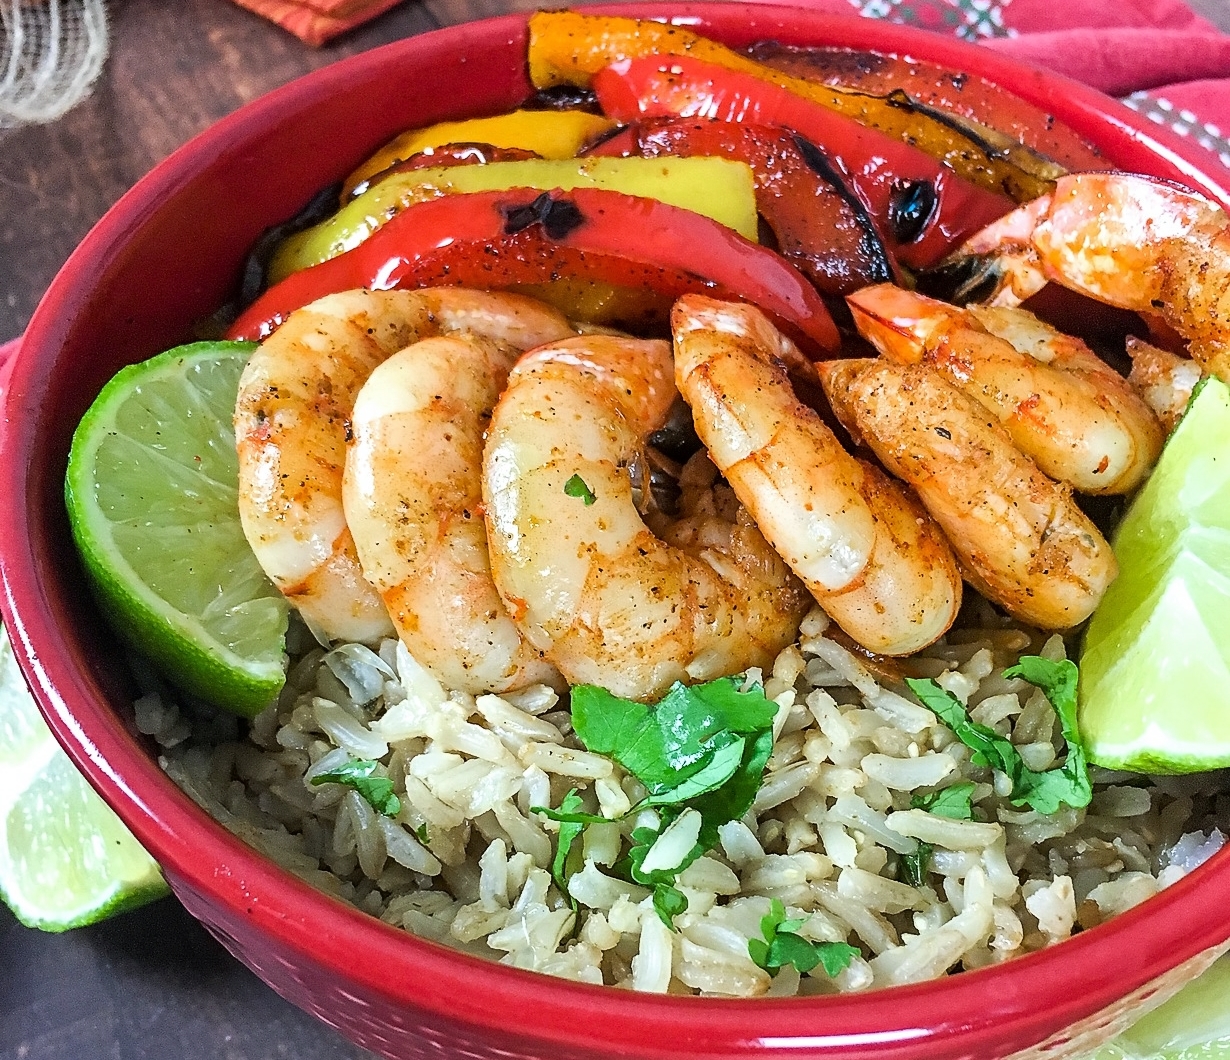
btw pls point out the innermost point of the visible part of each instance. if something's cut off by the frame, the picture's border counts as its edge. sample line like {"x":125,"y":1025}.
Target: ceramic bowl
{"x":168,"y":253}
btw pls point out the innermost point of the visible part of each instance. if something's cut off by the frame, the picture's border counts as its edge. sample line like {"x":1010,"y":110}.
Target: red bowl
{"x":169,"y":253}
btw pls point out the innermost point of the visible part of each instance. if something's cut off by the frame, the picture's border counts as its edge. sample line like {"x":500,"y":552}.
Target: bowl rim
{"x":1071,"y":981}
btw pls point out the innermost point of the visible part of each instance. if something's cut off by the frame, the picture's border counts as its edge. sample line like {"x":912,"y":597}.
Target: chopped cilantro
{"x":668,"y":903}
{"x":952,"y":802}
{"x":1046,"y":791}
{"x":576,"y":487}
{"x":421,"y":833}
{"x":360,"y":774}
{"x":568,"y":832}
{"x":781,"y":945}
{"x":642,"y":839}
{"x":703,"y":746}
{"x":914,"y":867}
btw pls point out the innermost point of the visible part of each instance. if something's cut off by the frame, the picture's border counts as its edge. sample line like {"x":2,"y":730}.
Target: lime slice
{"x":152,"y":499}
{"x":65,"y":858}
{"x":1192,"y":1025}
{"x":1155,"y":670}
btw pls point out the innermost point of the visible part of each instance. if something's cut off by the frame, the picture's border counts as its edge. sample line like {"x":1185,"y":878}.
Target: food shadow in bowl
{"x":168,"y":254}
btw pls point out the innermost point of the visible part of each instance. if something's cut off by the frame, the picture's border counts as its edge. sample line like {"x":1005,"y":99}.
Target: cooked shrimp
{"x":1060,"y":403}
{"x":1020,"y":539}
{"x":292,"y":418}
{"x":865,"y":549}
{"x":1164,"y":379}
{"x":413,"y":500}
{"x":585,"y":580}
{"x":1129,"y":241}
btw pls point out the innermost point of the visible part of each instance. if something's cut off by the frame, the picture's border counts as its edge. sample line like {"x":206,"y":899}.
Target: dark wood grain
{"x":174,"y":69}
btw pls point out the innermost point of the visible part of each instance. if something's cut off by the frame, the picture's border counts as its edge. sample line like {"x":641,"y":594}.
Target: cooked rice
{"x":466,"y":862}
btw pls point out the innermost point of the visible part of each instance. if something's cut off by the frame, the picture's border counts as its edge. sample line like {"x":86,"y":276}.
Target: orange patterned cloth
{"x":317,"y":21}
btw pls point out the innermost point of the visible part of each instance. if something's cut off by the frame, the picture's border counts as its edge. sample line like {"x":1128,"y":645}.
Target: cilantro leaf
{"x":914,"y":867}
{"x":1070,"y":782}
{"x":577,"y":487}
{"x":668,"y":903}
{"x":667,"y":743}
{"x":952,"y":802}
{"x":701,"y":748}
{"x":734,"y":798}
{"x":420,"y":833}
{"x":1045,"y":791}
{"x":360,"y":774}
{"x":781,"y":946}
{"x":568,"y":832}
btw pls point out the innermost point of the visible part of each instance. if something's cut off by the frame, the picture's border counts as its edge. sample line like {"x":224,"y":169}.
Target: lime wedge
{"x":1192,"y":1025}
{"x":1155,"y":669}
{"x":65,"y":858}
{"x":152,"y":499}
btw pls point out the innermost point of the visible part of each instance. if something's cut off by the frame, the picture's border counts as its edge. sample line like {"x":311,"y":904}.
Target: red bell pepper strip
{"x":878,"y":168}
{"x":936,"y":89}
{"x":499,"y":238}
{"x":818,"y":224}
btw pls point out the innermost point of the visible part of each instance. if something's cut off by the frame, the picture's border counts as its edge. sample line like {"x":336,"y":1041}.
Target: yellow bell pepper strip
{"x":931,"y":86}
{"x":548,"y":133}
{"x":565,"y":46}
{"x":716,"y":187}
{"x":496,"y":239}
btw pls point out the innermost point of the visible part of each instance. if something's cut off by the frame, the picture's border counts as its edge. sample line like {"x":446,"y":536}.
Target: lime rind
{"x":1155,"y":666}
{"x":66,"y":859}
{"x":152,"y":495}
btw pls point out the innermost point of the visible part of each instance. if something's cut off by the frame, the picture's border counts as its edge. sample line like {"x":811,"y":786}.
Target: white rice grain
{"x":943,"y":831}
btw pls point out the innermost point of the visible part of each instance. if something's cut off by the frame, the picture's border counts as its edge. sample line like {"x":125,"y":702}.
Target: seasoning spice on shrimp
{"x":1130,"y":241}
{"x":293,"y":416}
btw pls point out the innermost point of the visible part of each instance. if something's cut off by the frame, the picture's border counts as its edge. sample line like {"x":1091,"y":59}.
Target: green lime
{"x":1192,"y":1025}
{"x":65,"y":858}
{"x":152,"y":492}
{"x":1155,"y":669}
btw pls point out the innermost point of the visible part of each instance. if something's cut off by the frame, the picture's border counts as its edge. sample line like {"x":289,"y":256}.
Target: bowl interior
{"x":167,"y":255}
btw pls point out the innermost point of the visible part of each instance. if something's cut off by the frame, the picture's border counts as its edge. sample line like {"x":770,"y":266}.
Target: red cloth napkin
{"x":318,"y":21}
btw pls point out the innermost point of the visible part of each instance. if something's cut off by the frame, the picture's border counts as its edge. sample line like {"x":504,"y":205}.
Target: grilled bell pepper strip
{"x":880,"y":170}
{"x":720,"y":188}
{"x":565,"y":46}
{"x":819,"y":225}
{"x":444,"y":157}
{"x":549,"y":134}
{"x":522,"y":236}
{"x":938,"y":88}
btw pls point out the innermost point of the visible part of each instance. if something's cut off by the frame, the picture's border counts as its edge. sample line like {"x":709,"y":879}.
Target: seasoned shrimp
{"x":1021,"y":540}
{"x":1060,"y":403}
{"x":292,"y":418}
{"x":1164,"y":379}
{"x":1129,"y":241}
{"x":413,"y":500}
{"x":864,"y":547}
{"x":585,"y":580}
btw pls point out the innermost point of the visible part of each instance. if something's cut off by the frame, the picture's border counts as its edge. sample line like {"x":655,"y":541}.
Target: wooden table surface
{"x":153,"y":984}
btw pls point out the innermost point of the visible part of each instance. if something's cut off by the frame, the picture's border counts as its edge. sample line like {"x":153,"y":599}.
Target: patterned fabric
{"x":967,"y":19}
{"x":1166,"y":108}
